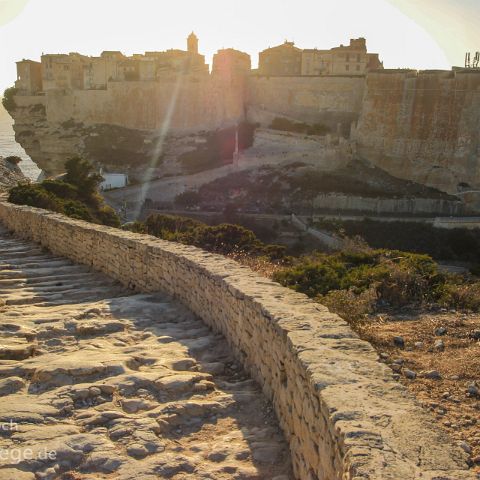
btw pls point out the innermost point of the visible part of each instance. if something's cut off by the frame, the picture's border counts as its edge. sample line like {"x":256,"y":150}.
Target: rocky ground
{"x":437,"y":356}
{"x":99,"y":383}
{"x":10,"y":175}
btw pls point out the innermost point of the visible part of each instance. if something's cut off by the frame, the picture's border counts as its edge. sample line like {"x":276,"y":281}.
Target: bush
{"x":286,"y":125}
{"x":34,"y":196}
{"x":81,"y":174}
{"x":78,"y":210}
{"x":225,"y":238}
{"x":398,"y":278}
{"x":76,"y":196}
{"x":8,"y":100}
{"x":350,"y":306}
{"x":60,"y":189}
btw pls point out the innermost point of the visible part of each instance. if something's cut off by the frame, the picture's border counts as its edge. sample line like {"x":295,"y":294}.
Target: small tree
{"x":81,"y":173}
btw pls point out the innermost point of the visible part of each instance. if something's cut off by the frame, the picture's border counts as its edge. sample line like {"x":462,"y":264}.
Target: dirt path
{"x":96,"y":382}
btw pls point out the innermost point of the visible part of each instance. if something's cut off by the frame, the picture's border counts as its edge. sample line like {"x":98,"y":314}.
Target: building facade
{"x":29,"y":77}
{"x":287,"y":59}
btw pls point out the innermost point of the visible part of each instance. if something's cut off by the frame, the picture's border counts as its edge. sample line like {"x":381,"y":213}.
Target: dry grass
{"x":458,"y":364}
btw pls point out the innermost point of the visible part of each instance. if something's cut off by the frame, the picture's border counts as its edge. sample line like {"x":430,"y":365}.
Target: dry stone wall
{"x":341,"y":411}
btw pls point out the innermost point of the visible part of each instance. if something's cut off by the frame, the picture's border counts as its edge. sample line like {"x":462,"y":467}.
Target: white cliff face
{"x":420,"y":126}
{"x":423,"y":126}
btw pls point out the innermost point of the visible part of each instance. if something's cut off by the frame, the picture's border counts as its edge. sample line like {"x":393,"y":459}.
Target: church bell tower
{"x":192,"y":44}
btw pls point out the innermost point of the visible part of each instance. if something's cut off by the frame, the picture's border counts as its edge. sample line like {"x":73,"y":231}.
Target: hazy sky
{"x":406,"y":33}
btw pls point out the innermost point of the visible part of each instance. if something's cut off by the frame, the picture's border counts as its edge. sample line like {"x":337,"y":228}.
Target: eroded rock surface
{"x":98,"y":383}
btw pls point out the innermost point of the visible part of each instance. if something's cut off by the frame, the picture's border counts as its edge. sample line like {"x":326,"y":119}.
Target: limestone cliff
{"x":423,"y":126}
{"x":126,"y":124}
{"x":420,"y":126}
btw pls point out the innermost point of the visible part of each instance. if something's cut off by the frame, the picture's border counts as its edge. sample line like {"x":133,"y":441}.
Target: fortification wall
{"x":343,"y":414}
{"x":423,"y":126}
{"x":332,"y":101}
{"x":180,"y":104}
{"x":385,"y":206}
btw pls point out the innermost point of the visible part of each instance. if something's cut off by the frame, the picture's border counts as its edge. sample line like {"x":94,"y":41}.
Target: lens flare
{"x":10,"y":9}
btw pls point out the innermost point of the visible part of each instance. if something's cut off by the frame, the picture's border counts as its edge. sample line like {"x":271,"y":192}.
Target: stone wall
{"x":423,"y":126}
{"x":387,"y":206}
{"x":179,"y":104}
{"x":343,"y":414}
{"x":332,"y":101}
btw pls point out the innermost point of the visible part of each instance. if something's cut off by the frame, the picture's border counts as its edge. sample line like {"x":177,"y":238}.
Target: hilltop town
{"x":79,"y":72}
{"x":147,"y":329}
{"x":168,"y":113}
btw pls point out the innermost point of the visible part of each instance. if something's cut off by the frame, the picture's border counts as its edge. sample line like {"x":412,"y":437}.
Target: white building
{"x":113,"y":180}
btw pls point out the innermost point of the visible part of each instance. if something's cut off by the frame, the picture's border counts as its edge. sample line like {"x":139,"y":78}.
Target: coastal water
{"x":8,"y":146}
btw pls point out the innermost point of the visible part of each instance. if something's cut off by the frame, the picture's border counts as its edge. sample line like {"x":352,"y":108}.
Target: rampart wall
{"x":332,"y":101}
{"x":343,"y":414}
{"x":178,"y":104}
{"x":423,"y":126}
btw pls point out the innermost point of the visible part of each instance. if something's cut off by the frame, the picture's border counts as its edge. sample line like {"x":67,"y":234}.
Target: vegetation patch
{"x":286,"y":125}
{"x":457,"y":244}
{"x":75,"y":195}
{"x":8,"y":100}
{"x":357,"y":282}
{"x":218,"y":148}
{"x":225,"y":238}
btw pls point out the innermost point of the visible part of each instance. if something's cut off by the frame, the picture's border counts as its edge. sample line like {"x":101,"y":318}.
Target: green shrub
{"x":8,"y":100}
{"x":60,"y":189}
{"x":34,"y":196}
{"x":81,"y":174}
{"x":398,"y":278}
{"x":76,"y":196}
{"x":107,"y":216}
{"x":78,"y":210}
{"x":225,"y":238}
{"x":286,"y":125}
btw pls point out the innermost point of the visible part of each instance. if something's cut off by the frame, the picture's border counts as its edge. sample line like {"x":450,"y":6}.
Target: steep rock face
{"x":114,"y":147}
{"x":419,"y":126}
{"x":127,"y":125}
{"x":423,"y":126}
{"x":10,"y":175}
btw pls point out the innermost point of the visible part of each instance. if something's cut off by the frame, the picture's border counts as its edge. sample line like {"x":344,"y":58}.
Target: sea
{"x":8,"y":146}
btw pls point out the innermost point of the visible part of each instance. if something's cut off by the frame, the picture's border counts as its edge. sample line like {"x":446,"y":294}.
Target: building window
{"x":358,"y":57}
{"x":347,"y":57}
{"x":358,"y":68}
{"x":347,"y":67}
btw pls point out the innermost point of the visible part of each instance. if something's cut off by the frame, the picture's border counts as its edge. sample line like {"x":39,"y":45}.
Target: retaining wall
{"x":343,"y":414}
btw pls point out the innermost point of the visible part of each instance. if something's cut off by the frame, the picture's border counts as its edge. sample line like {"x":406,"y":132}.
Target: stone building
{"x":287,"y":59}
{"x":29,"y":77}
{"x":100,"y":70}
{"x":63,"y":72}
{"x":231,"y":61}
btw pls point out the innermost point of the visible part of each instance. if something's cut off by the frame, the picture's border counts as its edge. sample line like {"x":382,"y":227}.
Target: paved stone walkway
{"x":98,"y":383}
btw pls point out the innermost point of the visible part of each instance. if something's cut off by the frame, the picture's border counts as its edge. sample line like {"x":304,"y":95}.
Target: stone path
{"x":98,"y":383}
